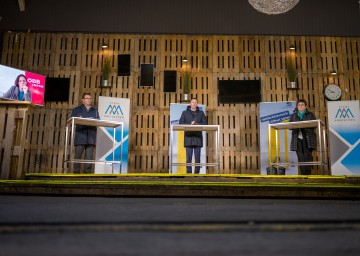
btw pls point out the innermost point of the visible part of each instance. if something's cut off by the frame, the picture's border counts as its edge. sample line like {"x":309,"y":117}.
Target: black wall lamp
{"x":333,"y":72}
{"x":104,"y":45}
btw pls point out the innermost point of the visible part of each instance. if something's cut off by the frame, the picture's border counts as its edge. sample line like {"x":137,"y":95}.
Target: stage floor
{"x":183,"y":185}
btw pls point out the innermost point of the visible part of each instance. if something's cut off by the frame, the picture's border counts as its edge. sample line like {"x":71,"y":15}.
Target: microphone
{"x":96,"y":113}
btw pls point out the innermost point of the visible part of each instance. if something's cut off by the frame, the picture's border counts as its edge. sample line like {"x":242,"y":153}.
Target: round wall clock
{"x":332,"y":92}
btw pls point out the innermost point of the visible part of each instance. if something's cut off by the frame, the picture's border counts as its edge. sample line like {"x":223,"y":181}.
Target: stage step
{"x":176,"y":185}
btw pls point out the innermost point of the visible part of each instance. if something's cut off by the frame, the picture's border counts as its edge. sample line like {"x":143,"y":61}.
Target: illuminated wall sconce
{"x":333,"y":72}
{"x":104,"y":45}
{"x":184,"y":59}
{"x":292,"y":47}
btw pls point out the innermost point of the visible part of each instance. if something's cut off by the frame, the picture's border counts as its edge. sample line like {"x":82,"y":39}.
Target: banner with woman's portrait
{"x":21,"y":85}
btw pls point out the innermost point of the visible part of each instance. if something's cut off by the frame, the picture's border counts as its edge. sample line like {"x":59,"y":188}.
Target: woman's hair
{"x":18,"y":78}
{"x":303,"y":101}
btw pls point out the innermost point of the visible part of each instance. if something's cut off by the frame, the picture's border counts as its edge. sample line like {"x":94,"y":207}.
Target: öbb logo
{"x":33,"y":81}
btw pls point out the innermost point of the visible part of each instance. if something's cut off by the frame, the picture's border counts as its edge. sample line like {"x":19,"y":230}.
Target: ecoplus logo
{"x":114,"y":109}
{"x":344,"y":113}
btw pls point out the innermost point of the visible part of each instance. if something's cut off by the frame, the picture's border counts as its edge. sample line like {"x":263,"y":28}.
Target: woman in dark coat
{"x":193,"y":141}
{"x":303,"y":140}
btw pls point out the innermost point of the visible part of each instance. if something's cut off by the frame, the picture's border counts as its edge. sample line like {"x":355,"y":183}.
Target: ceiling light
{"x":272,"y":7}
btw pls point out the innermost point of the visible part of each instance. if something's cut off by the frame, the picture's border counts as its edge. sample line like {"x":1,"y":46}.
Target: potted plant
{"x":106,"y":71}
{"x":186,"y":84}
{"x":291,"y":72}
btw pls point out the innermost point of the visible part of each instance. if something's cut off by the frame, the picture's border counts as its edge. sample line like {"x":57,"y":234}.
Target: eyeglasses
{"x":87,"y":98}
{"x":301,"y":104}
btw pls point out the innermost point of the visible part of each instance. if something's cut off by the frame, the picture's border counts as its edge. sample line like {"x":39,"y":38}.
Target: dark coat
{"x":13,"y":93}
{"x":193,"y":139}
{"x":85,"y":135}
{"x":308,"y":133}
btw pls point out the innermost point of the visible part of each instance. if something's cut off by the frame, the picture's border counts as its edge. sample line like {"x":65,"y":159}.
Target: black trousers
{"x":304,"y":154}
{"x":189,"y":155}
{"x":79,"y":150}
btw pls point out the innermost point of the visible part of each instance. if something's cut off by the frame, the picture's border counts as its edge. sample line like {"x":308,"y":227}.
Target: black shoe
{"x":305,"y":173}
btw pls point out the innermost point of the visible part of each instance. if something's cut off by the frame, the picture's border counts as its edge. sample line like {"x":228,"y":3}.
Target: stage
{"x":183,"y":185}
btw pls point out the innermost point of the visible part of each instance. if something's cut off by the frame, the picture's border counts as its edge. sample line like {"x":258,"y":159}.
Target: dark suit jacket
{"x":193,"y":139}
{"x":85,"y":135}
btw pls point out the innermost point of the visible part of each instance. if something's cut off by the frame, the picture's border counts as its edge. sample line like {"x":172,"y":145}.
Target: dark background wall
{"x":233,"y":17}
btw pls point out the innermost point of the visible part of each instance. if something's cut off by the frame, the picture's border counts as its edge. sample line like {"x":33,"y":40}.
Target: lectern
{"x":13,"y":124}
{"x":296,"y":125}
{"x":207,"y":128}
{"x":72,"y":122}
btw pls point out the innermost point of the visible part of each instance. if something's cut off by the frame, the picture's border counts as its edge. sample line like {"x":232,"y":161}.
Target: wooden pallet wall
{"x":80,"y":57}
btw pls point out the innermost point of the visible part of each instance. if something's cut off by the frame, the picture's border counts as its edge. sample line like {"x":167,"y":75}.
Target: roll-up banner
{"x":344,"y":137}
{"x":113,"y":109}
{"x":271,"y":113}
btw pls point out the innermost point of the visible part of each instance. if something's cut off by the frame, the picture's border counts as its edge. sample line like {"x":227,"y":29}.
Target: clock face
{"x":332,"y":92}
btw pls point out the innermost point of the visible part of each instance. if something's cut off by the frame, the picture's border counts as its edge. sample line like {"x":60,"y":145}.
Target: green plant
{"x":106,"y":68}
{"x":291,"y":70}
{"x":186,"y":81}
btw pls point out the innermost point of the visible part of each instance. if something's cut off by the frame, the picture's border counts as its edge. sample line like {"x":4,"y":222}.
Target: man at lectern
{"x":193,"y":141}
{"x":85,"y":136}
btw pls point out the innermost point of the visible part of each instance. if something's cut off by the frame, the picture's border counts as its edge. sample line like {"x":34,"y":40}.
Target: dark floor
{"x":36,"y":225}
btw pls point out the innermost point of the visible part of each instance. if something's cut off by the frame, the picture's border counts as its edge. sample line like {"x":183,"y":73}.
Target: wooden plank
{"x":7,"y":142}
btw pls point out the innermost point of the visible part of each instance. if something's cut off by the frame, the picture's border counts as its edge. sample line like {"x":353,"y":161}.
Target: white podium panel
{"x":316,"y":124}
{"x":199,"y":128}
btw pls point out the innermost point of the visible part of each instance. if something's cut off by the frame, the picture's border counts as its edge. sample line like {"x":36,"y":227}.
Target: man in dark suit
{"x":193,"y":141}
{"x":85,"y":136}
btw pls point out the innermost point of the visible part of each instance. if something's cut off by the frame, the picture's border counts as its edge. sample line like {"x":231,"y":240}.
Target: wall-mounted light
{"x":104,"y":45}
{"x":292,"y":47}
{"x":333,"y":72}
{"x":184,"y":59}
